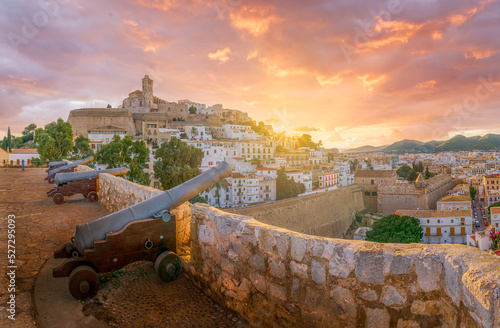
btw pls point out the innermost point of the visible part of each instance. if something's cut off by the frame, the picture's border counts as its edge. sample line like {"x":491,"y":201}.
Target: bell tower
{"x":147,"y":90}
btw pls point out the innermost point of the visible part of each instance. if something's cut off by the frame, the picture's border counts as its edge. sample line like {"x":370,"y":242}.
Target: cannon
{"x":66,"y":168}
{"x":85,"y":183}
{"x":145,"y":231}
{"x":55,"y":165}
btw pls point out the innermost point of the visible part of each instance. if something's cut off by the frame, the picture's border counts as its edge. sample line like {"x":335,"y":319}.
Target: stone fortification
{"x":116,"y":193}
{"x":398,"y":195}
{"x":84,"y":119}
{"x":326,"y":214}
{"x":278,"y":278}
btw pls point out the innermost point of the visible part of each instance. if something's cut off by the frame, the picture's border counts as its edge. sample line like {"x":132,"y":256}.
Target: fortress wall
{"x":275,"y":277}
{"x":116,"y":193}
{"x":326,"y":214}
{"x":84,"y":119}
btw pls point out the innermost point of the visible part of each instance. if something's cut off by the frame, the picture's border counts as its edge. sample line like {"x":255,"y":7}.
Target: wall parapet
{"x":116,"y":193}
{"x":276,"y":277}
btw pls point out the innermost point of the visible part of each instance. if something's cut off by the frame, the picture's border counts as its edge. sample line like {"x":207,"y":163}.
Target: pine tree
{"x":9,"y":140}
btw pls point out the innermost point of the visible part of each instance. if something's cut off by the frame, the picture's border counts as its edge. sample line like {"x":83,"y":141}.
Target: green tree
{"x":109,"y":106}
{"x":472,"y":192}
{"x":192,"y":110}
{"x":28,"y":133}
{"x":305,"y":140}
{"x":256,"y":161}
{"x":428,"y":174}
{"x":193,"y":132}
{"x":493,"y":205}
{"x":403,"y":171}
{"x":62,"y":134}
{"x":353,"y":164}
{"x":4,"y":143}
{"x":176,"y":163}
{"x":126,"y":152}
{"x":396,"y":229}
{"x":17,"y":142}
{"x":9,"y":140}
{"x":198,"y":199}
{"x":46,"y":146}
{"x":369,"y":164}
{"x":82,"y":147}
{"x":287,"y":187}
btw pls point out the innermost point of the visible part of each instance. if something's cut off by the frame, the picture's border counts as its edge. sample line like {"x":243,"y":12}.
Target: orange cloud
{"x":220,"y":55}
{"x":426,"y":84}
{"x":255,"y":20}
{"x":479,"y":53}
{"x":369,"y":82}
{"x":328,"y":81}
{"x":163,"y":5}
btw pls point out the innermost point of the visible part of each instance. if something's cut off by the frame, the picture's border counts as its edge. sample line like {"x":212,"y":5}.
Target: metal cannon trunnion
{"x":142,"y":232}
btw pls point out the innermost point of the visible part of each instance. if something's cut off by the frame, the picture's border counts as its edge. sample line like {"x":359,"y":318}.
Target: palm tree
{"x":193,"y":132}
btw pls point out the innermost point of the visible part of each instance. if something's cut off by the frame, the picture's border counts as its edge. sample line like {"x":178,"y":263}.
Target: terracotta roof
{"x":24,"y":151}
{"x":266,"y":169}
{"x":495,"y":210}
{"x":455,"y":199}
{"x":237,"y":175}
{"x":374,"y":174}
{"x":433,"y":214}
{"x":135,"y":92}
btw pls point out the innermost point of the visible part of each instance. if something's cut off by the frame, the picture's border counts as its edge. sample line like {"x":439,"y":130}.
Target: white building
{"x":267,"y":189}
{"x":495,"y":216}
{"x":328,"y":179}
{"x":255,"y":149}
{"x":17,"y":156}
{"x":481,"y":239}
{"x":443,"y":227}
{"x":198,"y":132}
{"x":245,"y":189}
{"x":450,"y":203}
{"x":104,"y":135}
{"x":240,"y":132}
{"x":173,"y":132}
{"x":267,"y":172}
{"x":189,"y":103}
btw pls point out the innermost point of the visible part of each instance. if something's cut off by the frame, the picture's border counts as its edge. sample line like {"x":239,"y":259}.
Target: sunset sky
{"x":348,"y":72}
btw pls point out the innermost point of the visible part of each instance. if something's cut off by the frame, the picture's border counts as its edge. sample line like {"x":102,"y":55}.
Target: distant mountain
{"x":364,"y":149}
{"x":457,"y":143}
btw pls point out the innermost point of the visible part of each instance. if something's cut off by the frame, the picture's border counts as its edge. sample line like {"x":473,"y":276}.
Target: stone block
{"x":317,"y":272}
{"x":377,"y":318}
{"x":298,"y":269}
{"x":266,"y":240}
{"x":259,"y":282}
{"x":257,"y":262}
{"x":400,"y":265}
{"x":282,"y":242}
{"x":277,"y":291}
{"x":298,"y":248}
{"x":428,"y":273}
{"x":342,"y":262}
{"x":452,"y":280}
{"x":318,"y":248}
{"x":277,"y":268}
{"x":392,"y":298}
{"x":343,"y":298}
{"x":368,"y":295}
{"x":206,"y":235}
{"x":224,"y":225}
{"x":425,"y":307}
{"x":402,"y":323}
{"x":370,"y":267}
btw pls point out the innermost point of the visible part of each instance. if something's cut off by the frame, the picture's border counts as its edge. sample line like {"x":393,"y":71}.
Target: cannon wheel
{"x":83,"y":283}
{"x":58,"y":198}
{"x":92,"y":197}
{"x":168,"y":266}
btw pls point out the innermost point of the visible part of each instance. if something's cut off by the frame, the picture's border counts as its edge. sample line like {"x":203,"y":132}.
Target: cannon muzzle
{"x":71,"y":165}
{"x":62,"y":178}
{"x":87,"y":233}
{"x":52,"y":164}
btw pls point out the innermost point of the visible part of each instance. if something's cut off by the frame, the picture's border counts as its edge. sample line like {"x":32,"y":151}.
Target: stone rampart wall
{"x":83,"y":168}
{"x":326,"y":214}
{"x":116,"y":193}
{"x":279,"y":278}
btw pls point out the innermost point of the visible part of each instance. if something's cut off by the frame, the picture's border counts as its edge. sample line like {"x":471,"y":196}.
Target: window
{"x":373,"y":182}
{"x":367,"y":193}
{"x":428,"y":221}
{"x":374,"y":193}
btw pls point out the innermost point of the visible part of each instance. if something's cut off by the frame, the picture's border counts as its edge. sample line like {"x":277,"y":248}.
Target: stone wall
{"x":116,"y":193}
{"x":395,"y":195}
{"x":84,"y":119}
{"x":82,"y":168}
{"x":279,"y":278}
{"x":326,"y":214}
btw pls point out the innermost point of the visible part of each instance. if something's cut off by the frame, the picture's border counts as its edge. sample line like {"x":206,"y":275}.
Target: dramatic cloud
{"x":353,"y":72}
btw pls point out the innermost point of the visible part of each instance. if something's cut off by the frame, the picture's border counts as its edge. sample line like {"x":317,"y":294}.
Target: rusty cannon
{"x":66,"y":168}
{"x":145,"y":231}
{"x":85,"y":183}
{"x":55,"y":165}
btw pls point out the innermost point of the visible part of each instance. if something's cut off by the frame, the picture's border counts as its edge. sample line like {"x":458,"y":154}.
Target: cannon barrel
{"x":51,"y":164}
{"x":70,"y":165}
{"x":62,"y":178}
{"x":89,"y":232}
